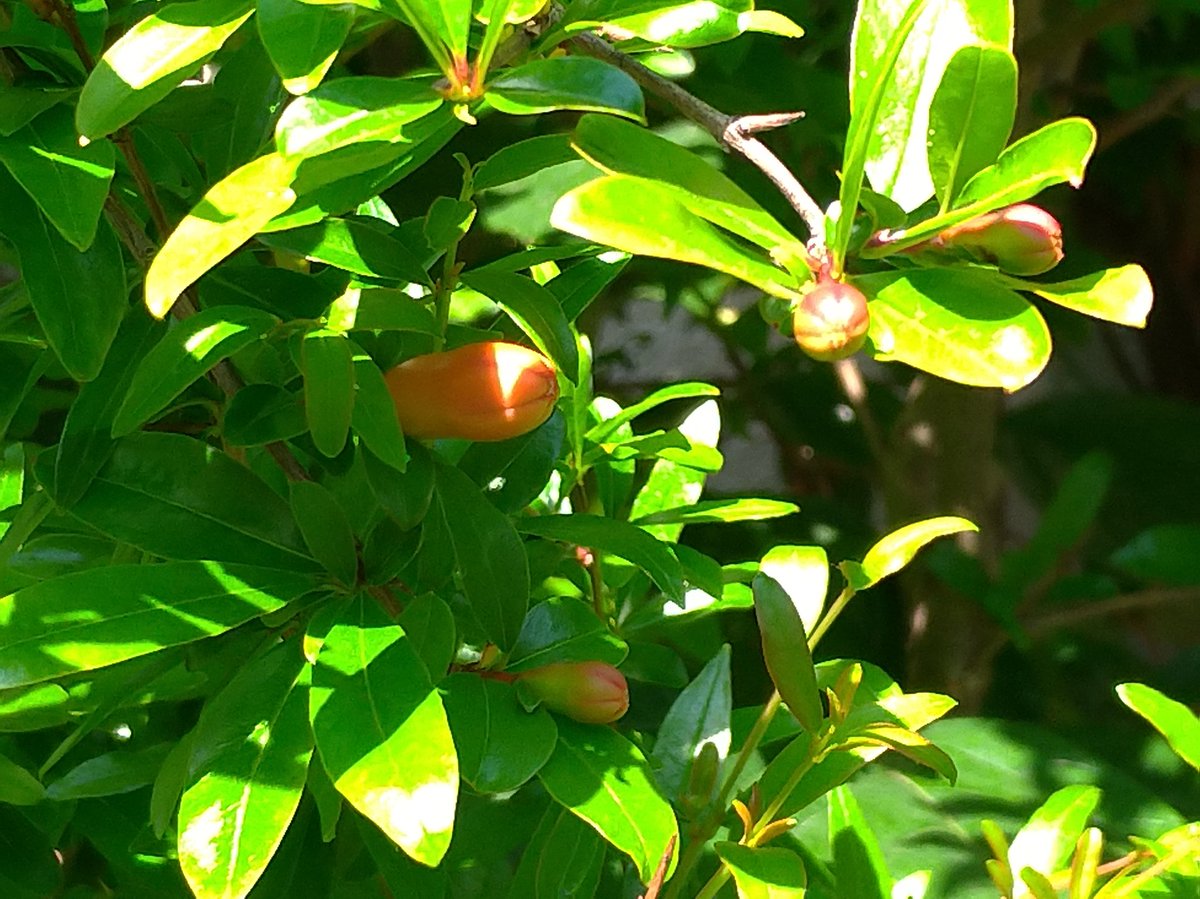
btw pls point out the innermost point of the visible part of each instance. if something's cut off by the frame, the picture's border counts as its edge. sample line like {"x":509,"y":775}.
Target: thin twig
{"x":731,"y":132}
{"x":1102,"y":608}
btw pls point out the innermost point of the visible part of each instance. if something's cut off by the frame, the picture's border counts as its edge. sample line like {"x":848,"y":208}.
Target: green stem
{"x":710,"y":889}
{"x":816,"y":747}
{"x":765,"y":717}
{"x":830,"y":616}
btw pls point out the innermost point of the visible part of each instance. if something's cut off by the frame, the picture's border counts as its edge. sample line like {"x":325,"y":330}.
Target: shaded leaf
{"x":786,"y":652}
{"x":566,"y":82}
{"x":699,"y":717}
{"x":563,"y":629}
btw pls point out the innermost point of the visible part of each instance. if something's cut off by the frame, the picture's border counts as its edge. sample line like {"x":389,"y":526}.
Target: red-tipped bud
{"x":482,"y":391}
{"x":1021,"y":240}
{"x":830,"y":322}
{"x":591,"y":692}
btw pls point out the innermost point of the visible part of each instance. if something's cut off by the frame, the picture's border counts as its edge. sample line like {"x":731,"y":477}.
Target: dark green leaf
{"x":447,"y":222}
{"x":302,"y":39}
{"x":33,"y":708}
{"x":522,"y":159}
{"x":177,"y":498}
{"x":328,"y":365}
{"x":19,"y":787}
{"x":566,"y":82}
{"x":405,"y":497}
{"x":188,"y":350}
{"x":374,"y":416}
{"x":326,"y":530}
{"x":512,"y":473}
{"x":563,"y":858}
{"x":383,"y":309}
{"x":563,"y":629}
{"x":353,"y":245}
{"x":698,"y":717}
{"x":21,"y":105}
{"x":489,"y":554}
{"x":786,"y":652}
{"x":263,"y":413}
{"x":500,"y":745}
{"x":87,"y":620}
{"x":429,"y":625}
{"x":579,"y":285}
{"x":382,"y":732}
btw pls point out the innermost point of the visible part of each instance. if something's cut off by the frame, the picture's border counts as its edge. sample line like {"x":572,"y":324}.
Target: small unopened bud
{"x":1021,"y":240}
{"x":831,"y":321}
{"x":591,"y":692}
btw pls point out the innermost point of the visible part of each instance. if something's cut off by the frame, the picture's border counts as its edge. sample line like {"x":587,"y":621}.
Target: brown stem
{"x":1129,"y":602}
{"x":731,"y":132}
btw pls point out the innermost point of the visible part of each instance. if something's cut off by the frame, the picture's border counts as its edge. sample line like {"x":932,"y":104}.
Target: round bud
{"x":831,"y":321}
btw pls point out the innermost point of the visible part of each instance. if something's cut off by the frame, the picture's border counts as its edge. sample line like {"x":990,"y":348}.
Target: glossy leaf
{"x":521,"y":160}
{"x":1174,"y":720}
{"x":971,"y":116}
{"x":536,"y":311}
{"x":566,"y":82}
{"x":95,"y":618}
{"x":79,"y":298}
{"x":386,"y":309}
{"x":699,"y":717}
{"x":489,"y":554}
{"x":374,"y":415}
{"x":764,"y":873}
{"x":354,"y":245}
{"x":642,"y":217}
{"x":18,"y":786}
{"x":109,"y":774}
{"x":500,"y":745}
{"x":249,"y":763}
{"x":786,"y":652}
{"x":1053,"y":154}
{"x":178,"y":498}
{"x":891,"y":553}
{"x":623,"y":148}
{"x":678,"y":23}
{"x":382,"y":732}
{"x":513,"y":473}
{"x":188,"y":350}
{"x":609,"y":425}
{"x":617,"y":537}
{"x":351,"y":110}
{"x":301,"y":39}
{"x":152,"y":58}
{"x":33,"y":708}
{"x":563,"y":629}
{"x":443,"y":26}
{"x":1123,"y":295}
{"x":723,"y":511}
{"x":429,"y":625}
{"x":579,"y":285}
{"x":1046,"y":841}
{"x":327,"y":361}
{"x":563,"y":858}
{"x":86,"y":439}
{"x":232,"y":211}
{"x":605,"y":780}
{"x":325,"y":528}
{"x":68,"y":182}
{"x":803,"y":573}
{"x":960,"y":325}
{"x":858,"y":864}
{"x":262,"y":413}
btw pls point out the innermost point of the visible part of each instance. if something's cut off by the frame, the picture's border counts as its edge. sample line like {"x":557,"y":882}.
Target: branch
{"x":731,"y":132}
{"x":1129,"y":602}
{"x":1160,"y":105}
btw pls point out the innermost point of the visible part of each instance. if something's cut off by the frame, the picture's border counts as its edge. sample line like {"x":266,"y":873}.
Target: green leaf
{"x":618,"y":147}
{"x":897,"y":132}
{"x":563,"y":858}
{"x":262,"y":413}
{"x":447,"y":222}
{"x":611,"y":424}
{"x":699,"y":717}
{"x":566,"y":82}
{"x":177,"y":498}
{"x":354,"y":245}
{"x":645,"y":218}
{"x":489,"y":555}
{"x":33,"y":708}
{"x":959,"y":324}
{"x":605,"y":780}
{"x":95,"y":618}
{"x":522,"y":159}
{"x":579,"y":285}
{"x":169,"y":784}
{"x":249,"y":762}
{"x":897,"y":549}
{"x":328,"y":364}
{"x":876,"y":45}
{"x":79,"y":298}
{"x":617,"y":537}
{"x":563,"y":629}
{"x":971,"y":116}
{"x":68,"y":182}
{"x":184,"y":355}
{"x":326,"y":529}
{"x":1123,"y":295}
{"x":512,"y":473}
{"x":152,"y":58}
{"x":1169,"y":553}
{"x":1053,"y":154}
{"x":385,"y":309}
{"x":301,"y":39}
{"x":429,"y":625}
{"x":86,"y":439}
{"x":536,"y":311}
{"x":382,"y":732}
{"x":500,"y":745}
{"x":110,"y":774}
{"x":443,"y":26}
{"x":27,"y":857}
{"x":233,"y":211}
{"x":352,"y":110}
{"x":803,"y":573}
{"x":1046,"y":841}
{"x":858,"y":864}
{"x":677,"y":23}
{"x":764,"y":873}
{"x":18,"y":786}
{"x":786,"y":652}
{"x":21,"y":105}
{"x":374,"y":415}
{"x":1172,"y":719}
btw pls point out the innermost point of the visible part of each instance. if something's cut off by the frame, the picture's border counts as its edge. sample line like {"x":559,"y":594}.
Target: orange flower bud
{"x":591,"y":692}
{"x":1021,"y":240}
{"x":481,"y":391}
{"x":830,"y":322}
